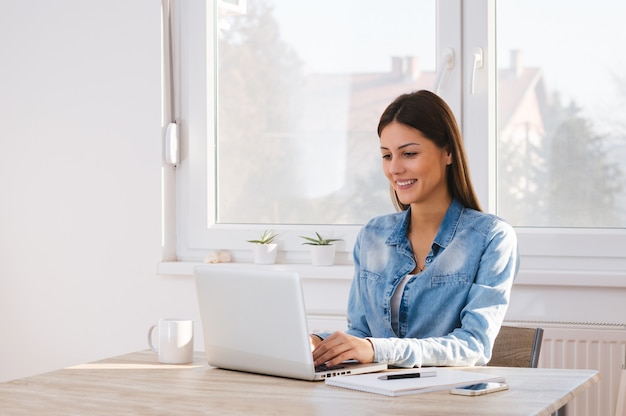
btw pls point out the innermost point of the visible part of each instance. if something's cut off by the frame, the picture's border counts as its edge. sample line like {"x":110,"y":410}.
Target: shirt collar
{"x":446,"y":229}
{"x":450,"y":222}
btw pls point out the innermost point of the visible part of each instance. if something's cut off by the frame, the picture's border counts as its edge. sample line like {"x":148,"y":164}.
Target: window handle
{"x":172,"y":144}
{"x":447,"y":63}
{"x":478,"y":63}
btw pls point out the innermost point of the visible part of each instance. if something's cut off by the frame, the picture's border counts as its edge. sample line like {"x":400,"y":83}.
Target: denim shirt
{"x":451,"y":312}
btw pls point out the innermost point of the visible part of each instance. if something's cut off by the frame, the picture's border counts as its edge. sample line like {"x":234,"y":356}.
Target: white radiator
{"x":593,"y":346}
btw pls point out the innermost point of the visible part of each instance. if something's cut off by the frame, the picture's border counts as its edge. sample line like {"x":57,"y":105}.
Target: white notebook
{"x":444,"y":379}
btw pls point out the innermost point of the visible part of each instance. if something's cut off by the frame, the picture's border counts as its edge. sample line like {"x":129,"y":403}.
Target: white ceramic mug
{"x":175,"y":341}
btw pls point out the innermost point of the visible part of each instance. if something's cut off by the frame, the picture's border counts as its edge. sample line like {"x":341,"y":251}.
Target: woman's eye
{"x":410,"y":154}
{"x":386,"y":157}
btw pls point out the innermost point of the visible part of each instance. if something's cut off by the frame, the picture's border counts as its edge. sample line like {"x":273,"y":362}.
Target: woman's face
{"x":414,"y":165}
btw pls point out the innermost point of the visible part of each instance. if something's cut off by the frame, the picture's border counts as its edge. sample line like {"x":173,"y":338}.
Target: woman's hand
{"x":340,"y":347}
{"x":315,"y":341}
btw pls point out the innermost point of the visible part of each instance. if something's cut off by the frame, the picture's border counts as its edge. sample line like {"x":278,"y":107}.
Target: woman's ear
{"x":448,"y":156}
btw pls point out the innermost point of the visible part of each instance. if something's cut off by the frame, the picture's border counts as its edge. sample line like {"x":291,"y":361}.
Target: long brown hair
{"x":428,"y":113}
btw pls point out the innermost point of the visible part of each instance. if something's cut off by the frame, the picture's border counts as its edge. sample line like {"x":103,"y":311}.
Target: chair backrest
{"x":517,"y":347}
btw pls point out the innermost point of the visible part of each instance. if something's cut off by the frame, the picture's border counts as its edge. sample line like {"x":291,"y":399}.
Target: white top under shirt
{"x":396,"y":299}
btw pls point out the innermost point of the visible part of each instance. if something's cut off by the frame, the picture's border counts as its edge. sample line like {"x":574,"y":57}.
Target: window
{"x":300,"y":86}
{"x":561,"y":128}
{"x":562,"y":136}
{"x":262,"y":146}
{"x":298,"y":91}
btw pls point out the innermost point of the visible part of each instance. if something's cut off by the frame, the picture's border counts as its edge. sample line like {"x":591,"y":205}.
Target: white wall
{"x":80,"y":183}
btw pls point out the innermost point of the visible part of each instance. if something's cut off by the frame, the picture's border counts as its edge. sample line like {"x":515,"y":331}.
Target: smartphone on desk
{"x":480,"y":388}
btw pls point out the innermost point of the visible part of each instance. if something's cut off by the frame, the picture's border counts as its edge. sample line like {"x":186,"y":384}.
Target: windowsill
{"x":306,"y":271}
{"x":569,"y":278}
{"x":345,"y":272}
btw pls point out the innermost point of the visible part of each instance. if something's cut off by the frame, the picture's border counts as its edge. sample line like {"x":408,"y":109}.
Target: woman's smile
{"x":414,"y":165}
{"x":404,"y":184}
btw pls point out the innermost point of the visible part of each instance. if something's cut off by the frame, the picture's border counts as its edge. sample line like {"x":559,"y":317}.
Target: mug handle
{"x":152,"y":347}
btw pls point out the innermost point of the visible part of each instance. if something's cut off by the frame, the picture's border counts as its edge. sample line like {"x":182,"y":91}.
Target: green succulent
{"x":267,"y":237}
{"x":319,"y":240}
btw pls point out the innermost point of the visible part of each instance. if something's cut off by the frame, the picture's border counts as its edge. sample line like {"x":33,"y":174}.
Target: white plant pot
{"x":264,"y":253}
{"x":323,"y":255}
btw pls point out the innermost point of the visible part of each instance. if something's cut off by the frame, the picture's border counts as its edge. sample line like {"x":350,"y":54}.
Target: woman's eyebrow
{"x":400,"y":147}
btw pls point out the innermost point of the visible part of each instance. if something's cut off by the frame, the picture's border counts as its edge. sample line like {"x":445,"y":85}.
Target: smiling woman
{"x":425,"y":120}
{"x":437,"y":257}
{"x":413,"y":164}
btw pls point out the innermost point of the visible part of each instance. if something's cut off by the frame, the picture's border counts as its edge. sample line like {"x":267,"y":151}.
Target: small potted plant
{"x":322,"y":249}
{"x":264,"y":248}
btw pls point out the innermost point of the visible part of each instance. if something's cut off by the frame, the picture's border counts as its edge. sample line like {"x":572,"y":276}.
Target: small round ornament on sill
{"x":217,"y":257}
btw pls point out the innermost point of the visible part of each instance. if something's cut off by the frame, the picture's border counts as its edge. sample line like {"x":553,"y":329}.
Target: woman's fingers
{"x":340,"y":347}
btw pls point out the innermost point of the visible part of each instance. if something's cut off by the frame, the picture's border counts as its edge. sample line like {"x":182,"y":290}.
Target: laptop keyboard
{"x":324,"y":367}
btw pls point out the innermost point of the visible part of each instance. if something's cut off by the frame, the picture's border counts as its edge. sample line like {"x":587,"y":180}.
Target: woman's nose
{"x":395,"y":166}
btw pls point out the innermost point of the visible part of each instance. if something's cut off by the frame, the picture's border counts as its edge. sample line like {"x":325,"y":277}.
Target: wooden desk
{"x":137,"y":384}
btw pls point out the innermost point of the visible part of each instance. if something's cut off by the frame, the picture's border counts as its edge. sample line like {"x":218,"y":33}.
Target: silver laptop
{"x":254,"y":320}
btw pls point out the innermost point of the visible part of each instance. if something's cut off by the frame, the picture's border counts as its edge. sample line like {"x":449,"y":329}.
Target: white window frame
{"x":549,"y":256}
{"x":196,"y":231}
